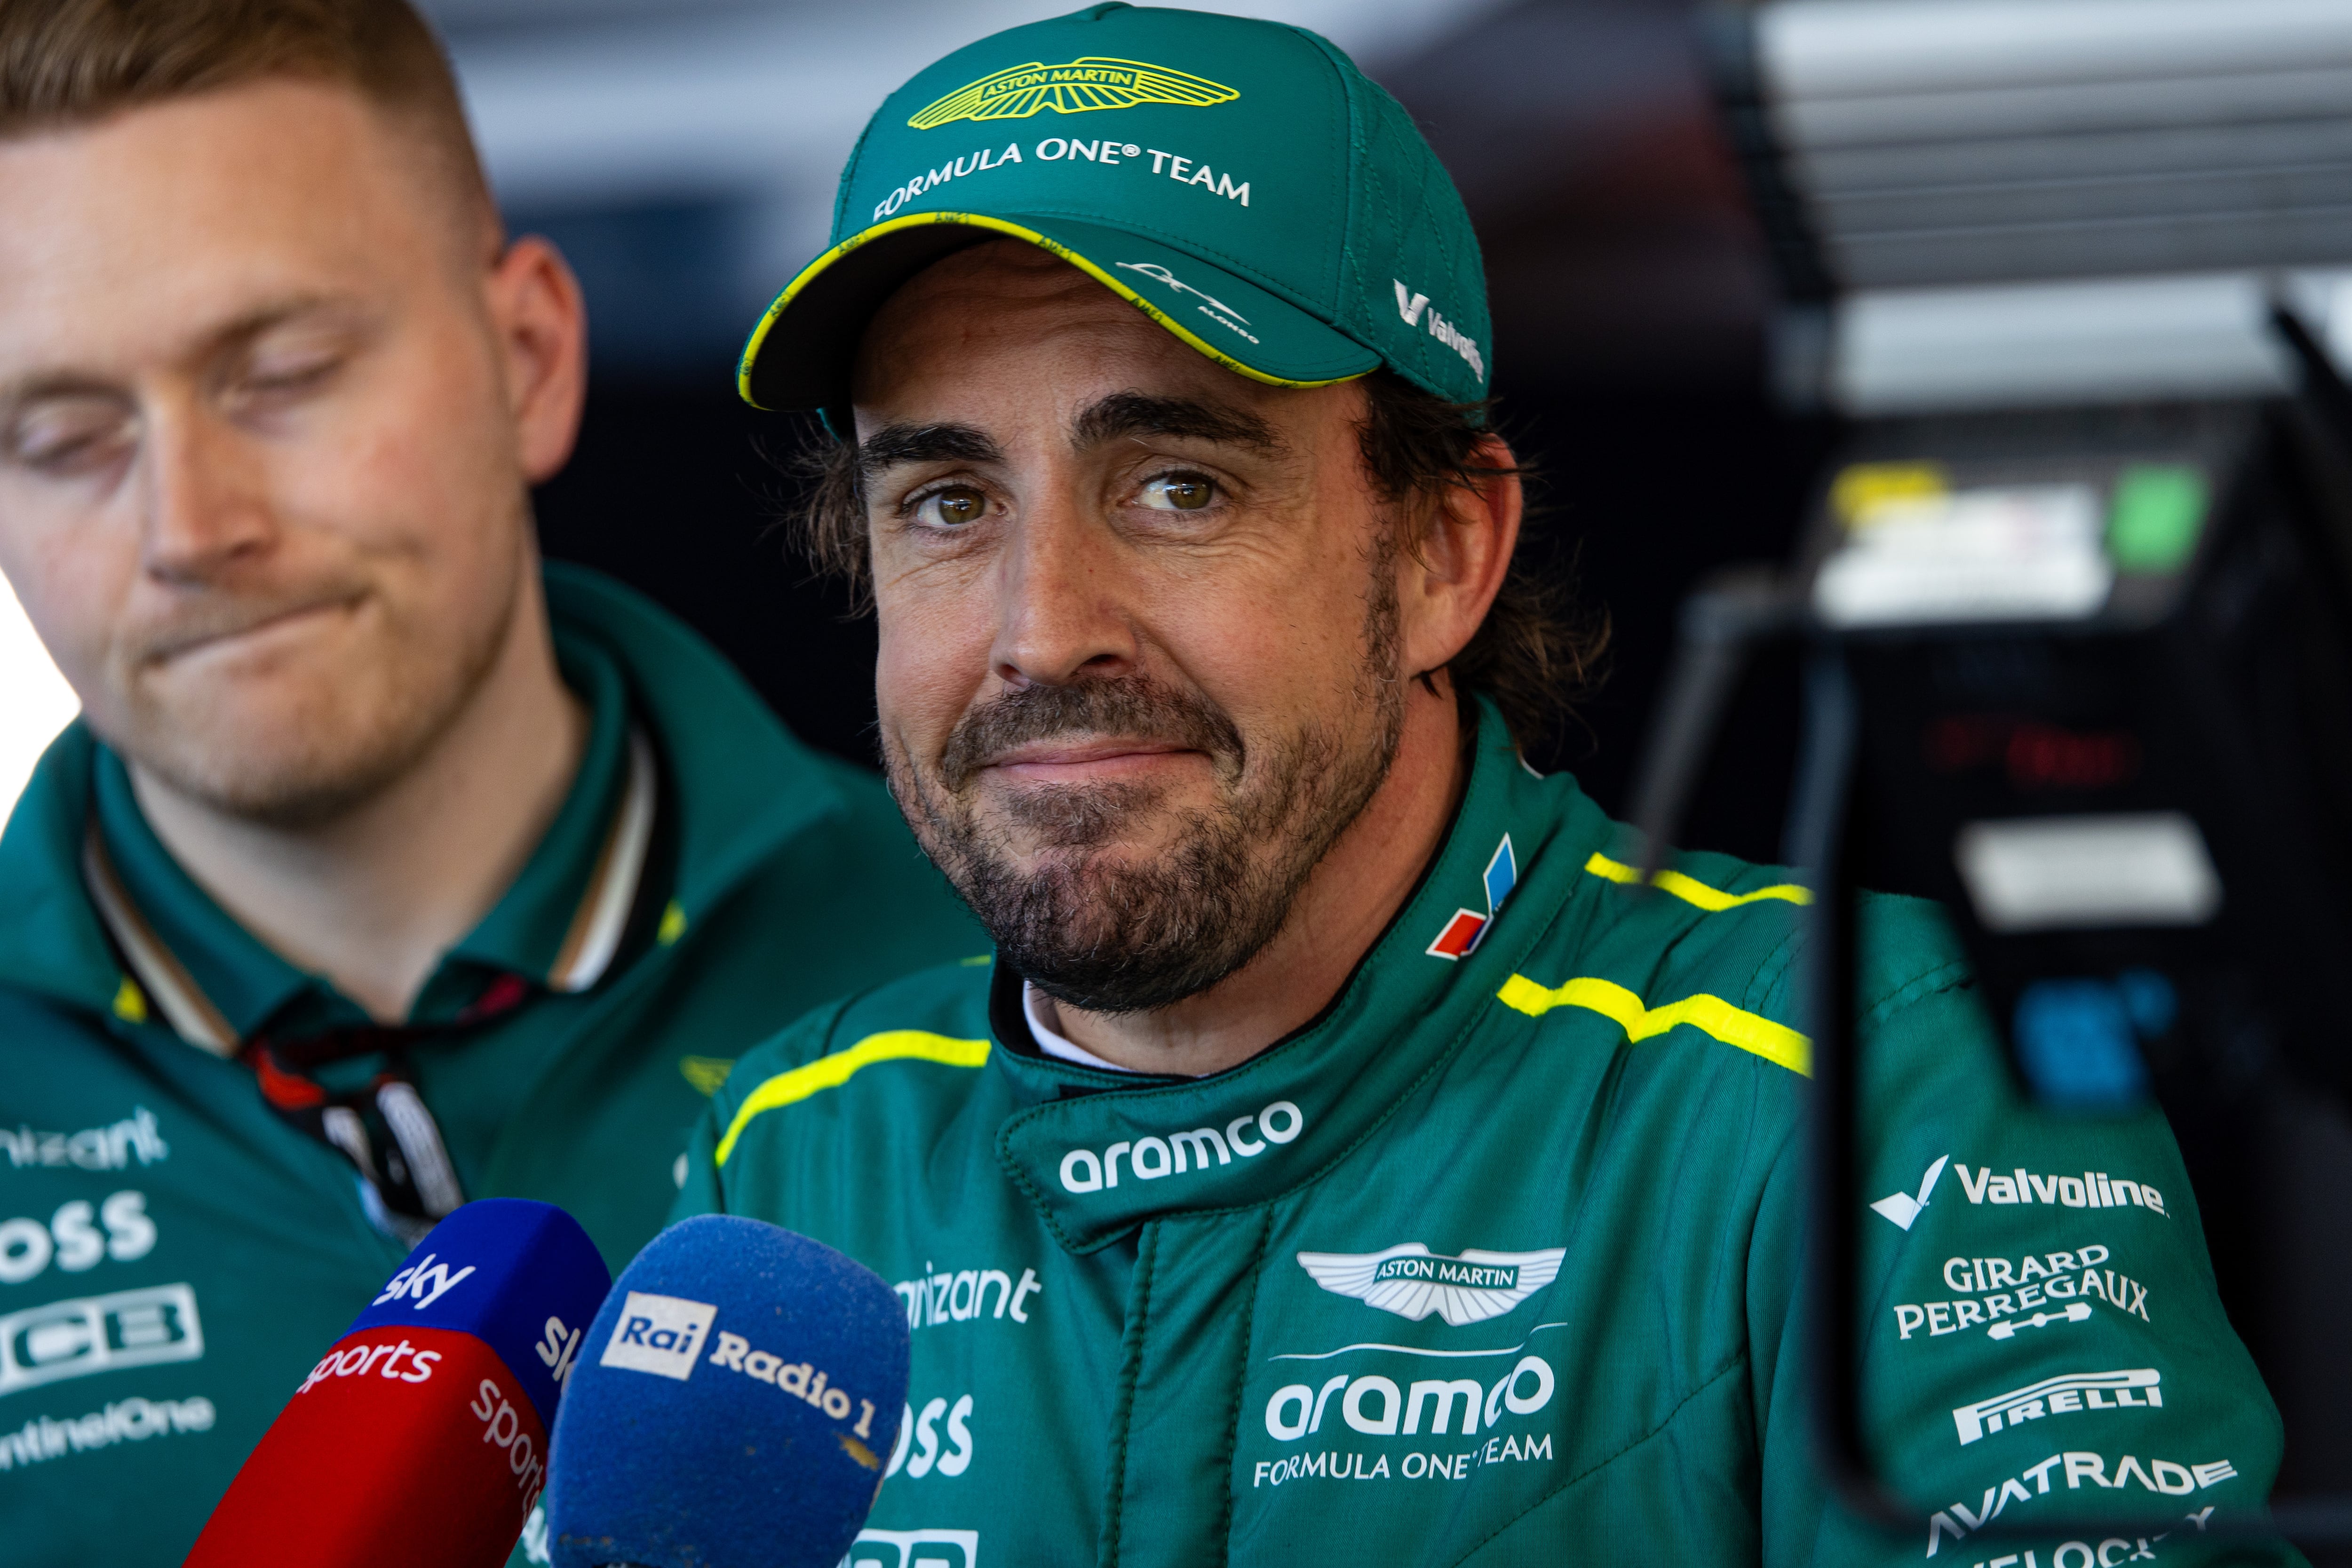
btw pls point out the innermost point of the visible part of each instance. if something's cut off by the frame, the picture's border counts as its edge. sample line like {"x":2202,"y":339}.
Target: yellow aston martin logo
{"x":1021,"y":91}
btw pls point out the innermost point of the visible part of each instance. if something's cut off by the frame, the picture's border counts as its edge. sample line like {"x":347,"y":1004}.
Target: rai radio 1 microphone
{"x":422,"y":1436}
{"x":734,"y":1406}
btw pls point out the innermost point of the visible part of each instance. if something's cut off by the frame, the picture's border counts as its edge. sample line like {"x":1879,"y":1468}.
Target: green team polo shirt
{"x":1495,"y":1262}
{"x":173,"y":1257}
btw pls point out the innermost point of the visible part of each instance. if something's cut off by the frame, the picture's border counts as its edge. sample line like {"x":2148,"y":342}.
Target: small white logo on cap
{"x":658,"y":1334}
{"x":1216,"y":310}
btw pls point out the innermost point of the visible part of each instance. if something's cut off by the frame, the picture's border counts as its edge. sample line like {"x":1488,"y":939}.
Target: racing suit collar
{"x":1099,"y":1154}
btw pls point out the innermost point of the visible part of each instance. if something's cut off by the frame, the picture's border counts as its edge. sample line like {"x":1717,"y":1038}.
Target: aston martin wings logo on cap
{"x":1019,"y":92}
{"x":1413,"y":1281}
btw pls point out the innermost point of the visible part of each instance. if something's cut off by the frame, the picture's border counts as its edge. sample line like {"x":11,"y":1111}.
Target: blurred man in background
{"x":389,"y":866}
{"x":1341,"y":1161}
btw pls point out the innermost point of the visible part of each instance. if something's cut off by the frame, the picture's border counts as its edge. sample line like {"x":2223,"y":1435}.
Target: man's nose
{"x":1062,"y":607}
{"x":203,"y":502}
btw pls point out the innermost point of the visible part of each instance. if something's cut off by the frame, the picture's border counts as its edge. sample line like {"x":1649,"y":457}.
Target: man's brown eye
{"x":1180,"y":493}
{"x":955,"y":506}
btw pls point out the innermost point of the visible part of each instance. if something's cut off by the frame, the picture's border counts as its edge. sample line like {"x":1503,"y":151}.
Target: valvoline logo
{"x":1468,"y":928}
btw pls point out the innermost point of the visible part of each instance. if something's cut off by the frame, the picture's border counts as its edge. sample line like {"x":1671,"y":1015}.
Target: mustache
{"x":213,"y":614}
{"x":1132,"y":706}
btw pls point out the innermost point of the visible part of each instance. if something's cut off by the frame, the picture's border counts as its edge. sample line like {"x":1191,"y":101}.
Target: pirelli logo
{"x":2137,"y":1390}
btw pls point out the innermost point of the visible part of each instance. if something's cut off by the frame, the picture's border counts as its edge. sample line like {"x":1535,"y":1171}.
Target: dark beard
{"x":1107,"y":938}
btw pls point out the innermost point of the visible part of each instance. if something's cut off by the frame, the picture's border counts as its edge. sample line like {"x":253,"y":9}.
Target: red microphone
{"x":422,"y":1436}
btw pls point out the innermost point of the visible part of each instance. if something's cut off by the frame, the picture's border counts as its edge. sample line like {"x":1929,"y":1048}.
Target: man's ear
{"x":542,"y":323}
{"x":1449,"y":582}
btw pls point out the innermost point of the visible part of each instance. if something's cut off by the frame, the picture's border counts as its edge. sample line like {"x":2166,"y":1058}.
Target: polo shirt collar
{"x":744,"y":786}
{"x":559,"y":925}
{"x":1098,"y":1155}
{"x":737,"y":789}
{"x":51,"y":941}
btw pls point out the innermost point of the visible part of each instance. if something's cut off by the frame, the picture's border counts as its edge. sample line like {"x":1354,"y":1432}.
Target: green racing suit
{"x":1496,"y":1261}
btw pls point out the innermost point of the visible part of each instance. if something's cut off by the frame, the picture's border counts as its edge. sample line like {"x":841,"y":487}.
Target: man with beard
{"x":1341,"y":1163}
{"x":388,"y":867}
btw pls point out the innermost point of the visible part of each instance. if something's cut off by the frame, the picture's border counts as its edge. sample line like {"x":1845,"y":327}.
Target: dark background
{"x":1629,"y":293}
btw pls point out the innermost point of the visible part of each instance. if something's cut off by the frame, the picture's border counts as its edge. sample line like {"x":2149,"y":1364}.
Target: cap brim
{"x":798,"y":355}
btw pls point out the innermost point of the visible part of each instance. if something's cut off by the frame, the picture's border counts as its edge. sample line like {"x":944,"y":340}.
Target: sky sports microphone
{"x":422,"y":1437}
{"x":733,"y":1408}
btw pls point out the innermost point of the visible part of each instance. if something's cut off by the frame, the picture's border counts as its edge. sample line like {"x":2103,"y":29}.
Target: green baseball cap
{"x":1238,"y":181}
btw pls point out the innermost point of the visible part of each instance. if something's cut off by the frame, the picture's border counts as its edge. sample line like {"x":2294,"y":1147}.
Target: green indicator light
{"x":2158,"y":510}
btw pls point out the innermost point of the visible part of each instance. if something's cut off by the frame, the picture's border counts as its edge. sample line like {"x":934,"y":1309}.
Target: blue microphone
{"x":733,"y":1407}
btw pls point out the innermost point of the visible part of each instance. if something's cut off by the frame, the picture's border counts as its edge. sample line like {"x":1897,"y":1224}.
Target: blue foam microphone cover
{"x":733,"y":1407}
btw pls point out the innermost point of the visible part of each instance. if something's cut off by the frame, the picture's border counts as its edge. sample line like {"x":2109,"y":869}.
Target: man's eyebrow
{"x":896,"y":444}
{"x":43,"y":385}
{"x":1128,"y":414}
{"x":243,"y":329}
{"x":235,"y":333}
